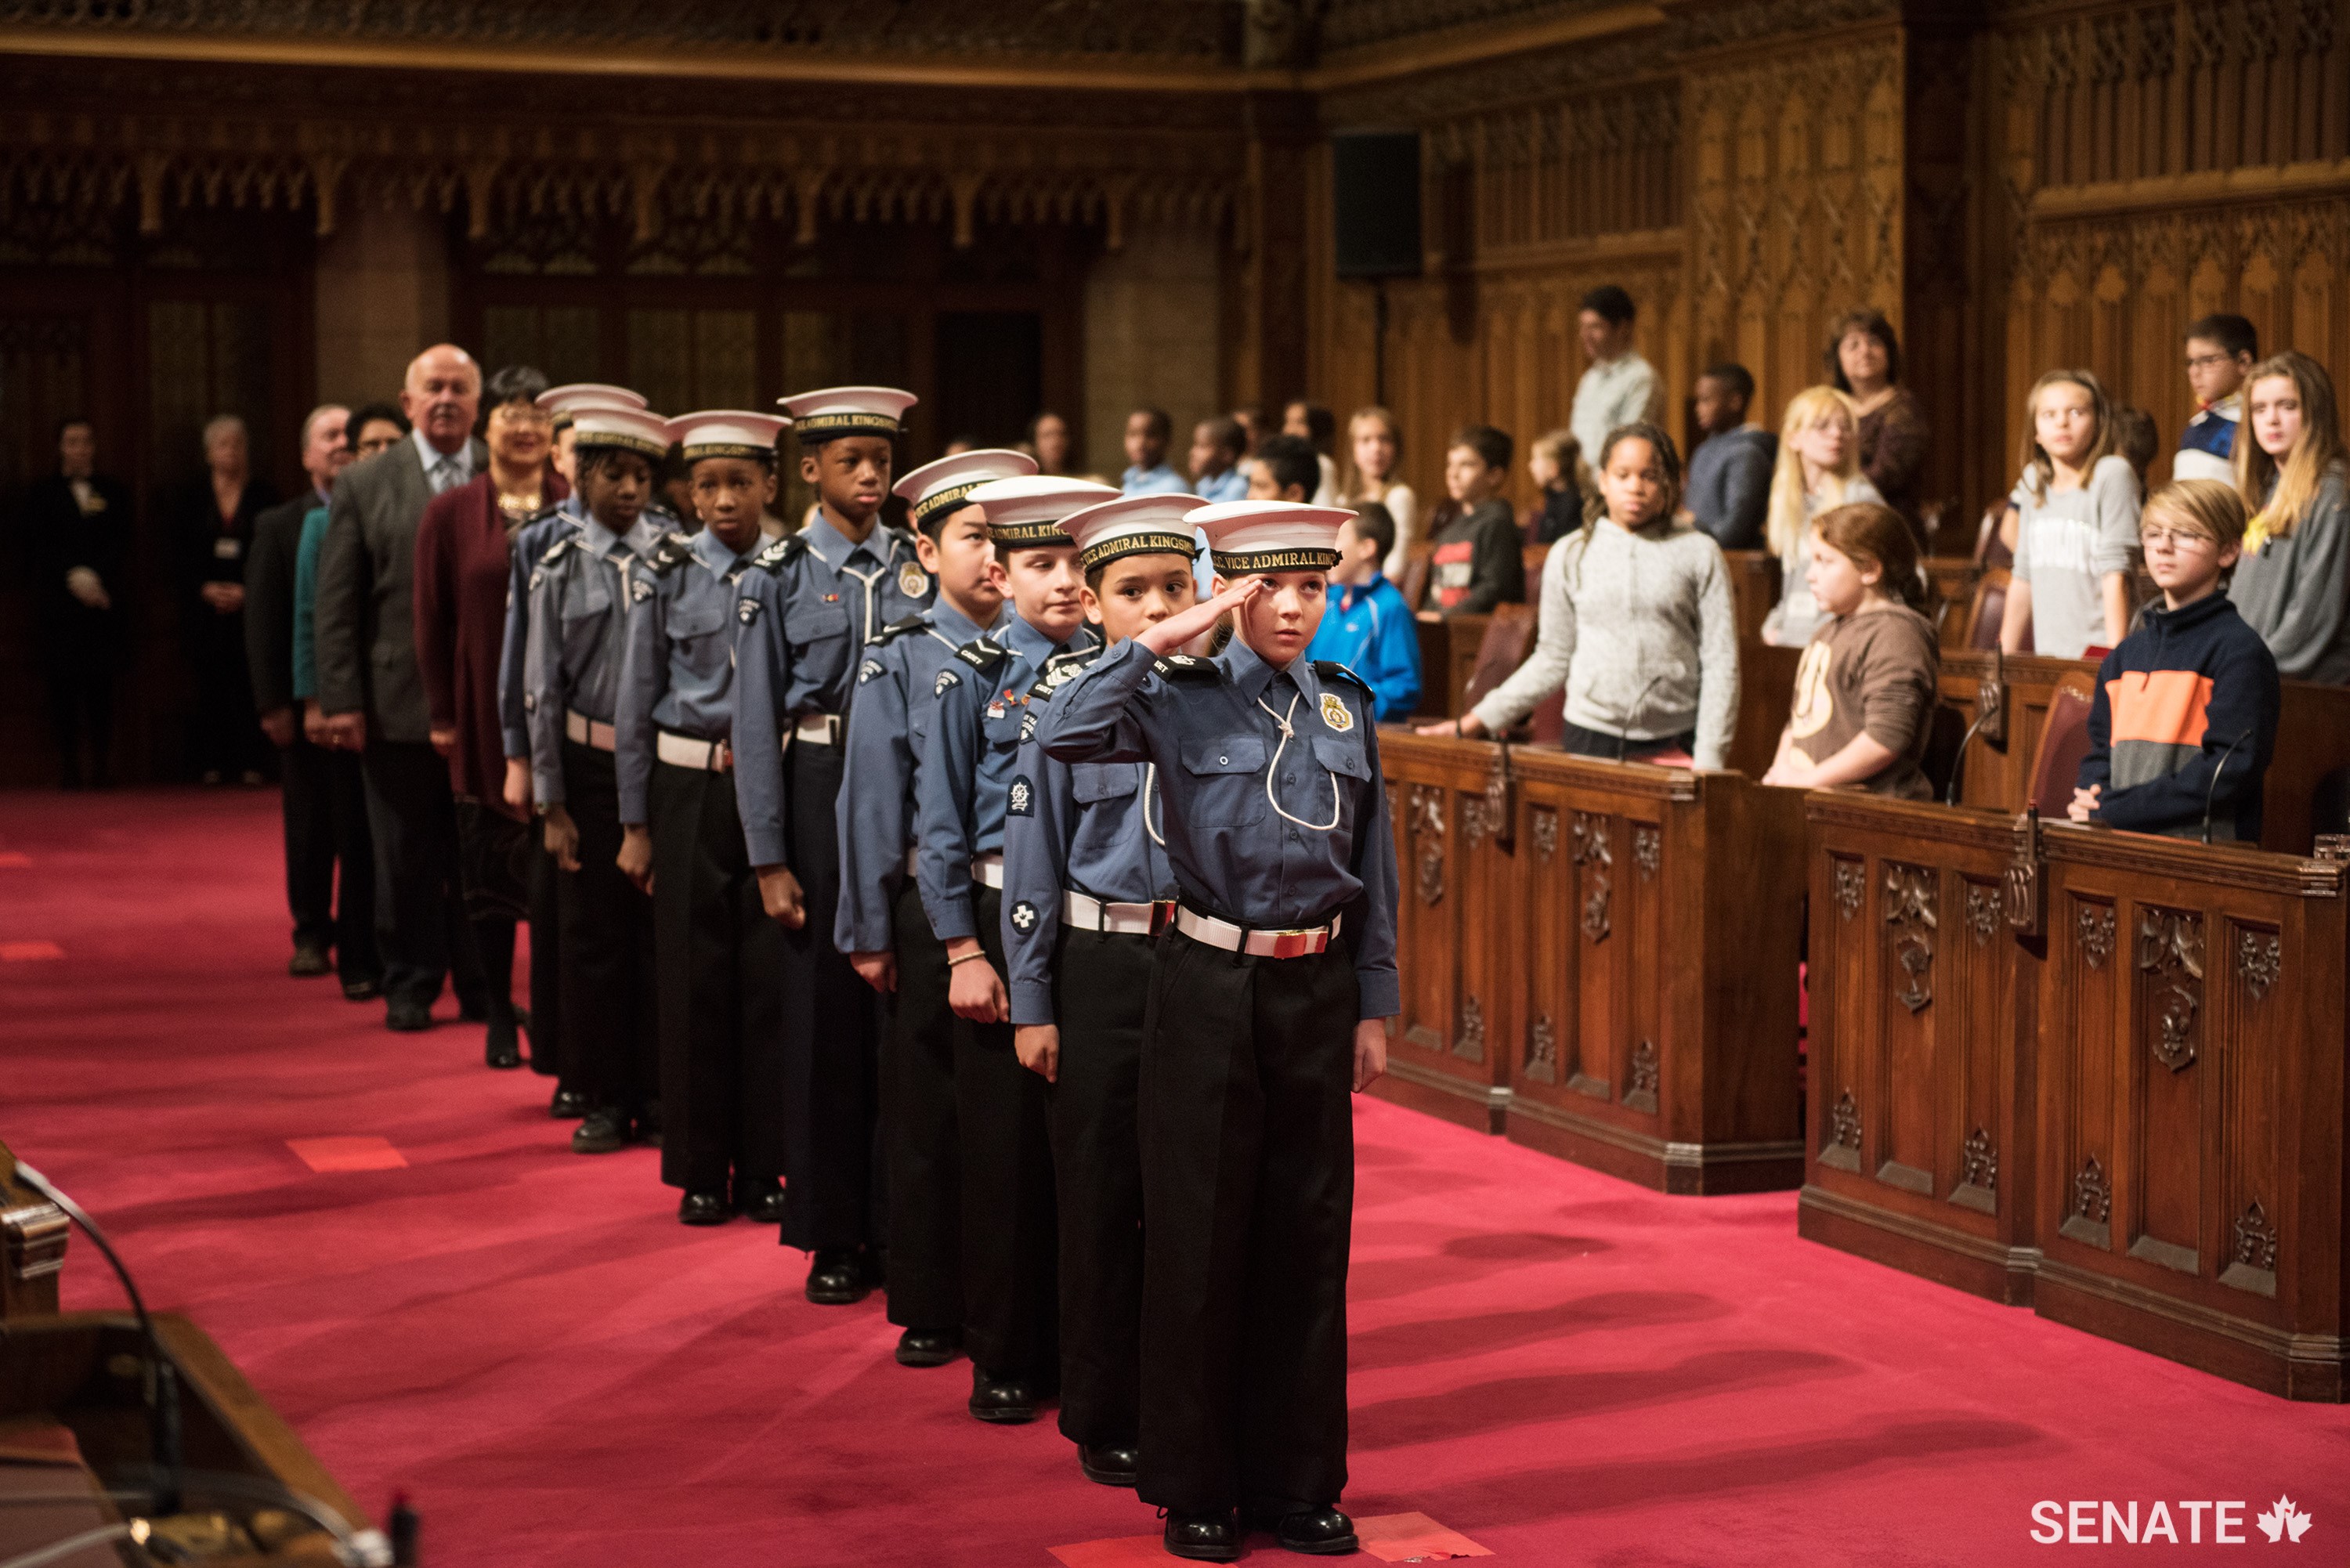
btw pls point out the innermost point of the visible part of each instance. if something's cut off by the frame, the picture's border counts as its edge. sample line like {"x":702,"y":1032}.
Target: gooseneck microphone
{"x":2212,"y":794}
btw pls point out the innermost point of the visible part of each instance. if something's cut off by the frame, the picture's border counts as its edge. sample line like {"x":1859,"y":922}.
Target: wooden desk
{"x":1555,"y":909}
{"x":2098,"y":1073}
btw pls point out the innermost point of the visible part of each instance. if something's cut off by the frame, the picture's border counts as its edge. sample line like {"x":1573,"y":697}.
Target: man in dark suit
{"x":325,"y":800}
{"x":373,"y":693}
{"x":77,"y":527}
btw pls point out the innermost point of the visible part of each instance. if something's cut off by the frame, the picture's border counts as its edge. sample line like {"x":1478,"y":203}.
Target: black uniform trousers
{"x":606,"y":932}
{"x":833,"y":1196}
{"x":548,"y":1049}
{"x":228,"y":738}
{"x":1100,"y":991}
{"x":324,"y":808}
{"x":718,"y":961}
{"x":420,"y":926}
{"x":918,"y":1127}
{"x":1010,"y":1236}
{"x":1248,"y":1190}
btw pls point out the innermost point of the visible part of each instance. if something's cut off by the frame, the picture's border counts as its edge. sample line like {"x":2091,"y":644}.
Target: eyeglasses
{"x":520,"y":414}
{"x":2177,"y":539}
{"x":2205,"y":361}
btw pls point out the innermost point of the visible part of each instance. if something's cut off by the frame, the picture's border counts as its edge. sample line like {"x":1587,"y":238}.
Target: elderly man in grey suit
{"x":373,"y":696}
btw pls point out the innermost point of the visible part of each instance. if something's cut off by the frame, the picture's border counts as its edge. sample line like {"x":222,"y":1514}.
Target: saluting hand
{"x":1370,"y":1051}
{"x":1177,"y":630}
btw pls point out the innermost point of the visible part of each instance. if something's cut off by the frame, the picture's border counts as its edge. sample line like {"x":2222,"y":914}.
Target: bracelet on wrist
{"x":967,"y":957}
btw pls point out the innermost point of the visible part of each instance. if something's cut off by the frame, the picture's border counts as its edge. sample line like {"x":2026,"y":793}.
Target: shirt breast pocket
{"x":808,"y":625}
{"x":1344,"y":758}
{"x":1223,"y":781}
{"x":1091,"y":782}
{"x":586,"y":597}
{"x":699,"y":630}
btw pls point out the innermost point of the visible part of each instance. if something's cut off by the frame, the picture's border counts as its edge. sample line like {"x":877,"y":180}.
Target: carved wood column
{"x":1269,"y":355}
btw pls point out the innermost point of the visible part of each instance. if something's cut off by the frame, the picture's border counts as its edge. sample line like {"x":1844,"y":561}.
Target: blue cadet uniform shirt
{"x":1367,"y":628}
{"x":677,"y":673}
{"x":964,"y":786}
{"x":531,"y":541}
{"x":1275,"y":831}
{"x":806,"y":608}
{"x":897,"y":686}
{"x":579,"y":597}
{"x":1089,"y":827}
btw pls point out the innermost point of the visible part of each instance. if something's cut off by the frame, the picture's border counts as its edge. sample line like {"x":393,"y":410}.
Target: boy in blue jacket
{"x":2185,"y":714}
{"x":1367,"y":628}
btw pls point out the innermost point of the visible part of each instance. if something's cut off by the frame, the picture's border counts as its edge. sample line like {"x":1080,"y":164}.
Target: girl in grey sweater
{"x":2292,"y":585}
{"x":1636,"y":623}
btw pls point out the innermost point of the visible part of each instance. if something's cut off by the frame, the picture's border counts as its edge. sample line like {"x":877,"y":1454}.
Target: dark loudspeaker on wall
{"x":1375,"y":187}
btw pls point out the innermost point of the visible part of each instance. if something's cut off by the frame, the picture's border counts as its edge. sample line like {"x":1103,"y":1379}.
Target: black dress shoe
{"x":836,"y":1277}
{"x":407,"y":1017}
{"x":361,"y":990}
{"x":1208,"y":1537}
{"x":703,"y":1209}
{"x":926,"y":1348}
{"x":601,"y":1133}
{"x":307,"y":963}
{"x":1316,"y":1531}
{"x":1110,"y":1466}
{"x":1006,"y":1401}
{"x":764,"y":1202}
{"x":568,"y":1105}
{"x":500,"y":1047}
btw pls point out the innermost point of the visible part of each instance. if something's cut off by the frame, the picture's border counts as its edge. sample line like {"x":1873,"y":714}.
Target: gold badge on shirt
{"x":1335,"y":714}
{"x":912,"y":581}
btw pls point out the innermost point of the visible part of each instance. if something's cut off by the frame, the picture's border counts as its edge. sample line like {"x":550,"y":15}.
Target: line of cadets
{"x":867,"y":835}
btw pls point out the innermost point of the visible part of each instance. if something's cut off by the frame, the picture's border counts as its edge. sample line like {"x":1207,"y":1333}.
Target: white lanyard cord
{"x":1150,"y":789}
{"x":1288,"y":731}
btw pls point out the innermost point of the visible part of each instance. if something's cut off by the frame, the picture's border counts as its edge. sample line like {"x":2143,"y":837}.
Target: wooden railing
{"x":2098,"y":1073}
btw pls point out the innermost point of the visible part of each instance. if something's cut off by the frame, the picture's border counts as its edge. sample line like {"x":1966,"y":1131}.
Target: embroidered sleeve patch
{"x":746,"y":610}
{"x":1023,"y":916}
{"x":868,"y":670}
{"x":1022,"y":798}
{"x":946,"y":678}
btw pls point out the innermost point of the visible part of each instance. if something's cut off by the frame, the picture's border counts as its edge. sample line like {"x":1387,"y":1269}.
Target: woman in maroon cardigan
{"x":464,"y":556}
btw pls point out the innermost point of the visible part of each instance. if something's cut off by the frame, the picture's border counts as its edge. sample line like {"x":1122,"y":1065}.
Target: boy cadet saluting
{"x":716,"y":955}
{"x":808,"y":605}
{"x":550,"y":1051}
{"x":1083,"y":875}
{"x":1269,"y":992}
{"x":964,"y":788}
{"x":580,"y":594}
{"x":880,"y":924}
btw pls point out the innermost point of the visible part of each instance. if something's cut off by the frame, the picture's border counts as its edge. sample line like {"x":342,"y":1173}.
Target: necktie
{"x":444,"y":475}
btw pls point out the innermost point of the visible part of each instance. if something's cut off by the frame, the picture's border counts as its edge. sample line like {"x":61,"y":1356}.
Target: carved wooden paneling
{"x":1920,"y":1044}
{"x":1630,"y":1067}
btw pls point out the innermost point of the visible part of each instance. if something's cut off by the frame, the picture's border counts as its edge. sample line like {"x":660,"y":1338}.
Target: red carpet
{"x":1564,"y":1368}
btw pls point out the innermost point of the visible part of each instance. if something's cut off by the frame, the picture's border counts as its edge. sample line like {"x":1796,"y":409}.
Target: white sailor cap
{"x":944,"y":485}
{"x":726,"y":433}
{"x":819,"y":416}
{"x":1028,"y":510}
{"x":565,"y":402}
{"x":1134,"y":525}
{"x":1245,"y":537}
{"x":629,"y":430}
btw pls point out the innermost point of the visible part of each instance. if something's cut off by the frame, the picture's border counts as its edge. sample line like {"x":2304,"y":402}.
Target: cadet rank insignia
{"x":1023,"y":916}
{"x":1028,"y":724}
{"x":640,"y":590}
{"x":868,"y":670}
{"x":1023,"y":796}
{"x":912,"y":581}
{"x":746,"y":610}
{"x":1334,"y":712}
{"x":946,"y":678}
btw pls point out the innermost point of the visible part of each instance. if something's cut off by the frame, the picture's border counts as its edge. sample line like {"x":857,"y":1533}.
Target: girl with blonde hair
{"x":2294,"y":578}
{"x":2077,"y":505}
{"x":1373,"y":449}
{"x":1819,"y":468}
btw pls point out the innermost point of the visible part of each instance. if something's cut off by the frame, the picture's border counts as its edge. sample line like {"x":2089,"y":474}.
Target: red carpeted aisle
{"x":1565,"y":1368}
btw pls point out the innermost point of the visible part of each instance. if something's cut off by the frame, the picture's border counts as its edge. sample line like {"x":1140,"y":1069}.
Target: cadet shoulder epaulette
{"x":896,"y":629}
{"x":557,"y":549}
{"x":774,"y":557}
{"x":983,"y":654}
{"x":1064,"y":667}
{"x":1329,"y":668}
{"x":1188,"y":666}
{"x":551,"y":509}
{"x":674,"y":551}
